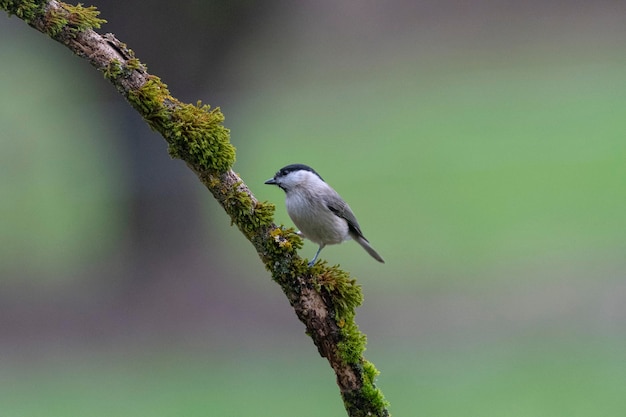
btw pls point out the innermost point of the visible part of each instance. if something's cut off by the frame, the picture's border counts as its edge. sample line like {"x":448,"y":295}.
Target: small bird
{"x":318,"y":210}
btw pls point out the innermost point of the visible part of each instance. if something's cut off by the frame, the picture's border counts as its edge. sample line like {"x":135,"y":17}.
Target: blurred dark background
{"x":481,"y":146}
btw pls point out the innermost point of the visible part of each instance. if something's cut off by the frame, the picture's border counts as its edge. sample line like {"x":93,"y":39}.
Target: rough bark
{"x":324,"y":298}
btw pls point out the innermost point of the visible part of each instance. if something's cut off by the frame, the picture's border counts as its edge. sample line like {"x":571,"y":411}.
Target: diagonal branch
{"x":324,"y":298}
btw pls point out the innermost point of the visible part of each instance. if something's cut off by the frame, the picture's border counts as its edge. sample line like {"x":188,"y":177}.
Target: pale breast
{"x":316,"y":222}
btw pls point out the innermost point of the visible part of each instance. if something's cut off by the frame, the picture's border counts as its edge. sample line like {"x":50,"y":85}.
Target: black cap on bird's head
{"x":284,"y":171}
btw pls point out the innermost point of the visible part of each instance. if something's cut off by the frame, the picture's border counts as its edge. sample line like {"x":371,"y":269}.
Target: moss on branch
{"x":26,"y":10}
{"x":57,"y":16}
{"x":324,"y":298}
{"x":194,"y":132}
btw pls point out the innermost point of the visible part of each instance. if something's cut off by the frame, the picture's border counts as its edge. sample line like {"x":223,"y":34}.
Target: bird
{"x":318,"y":210}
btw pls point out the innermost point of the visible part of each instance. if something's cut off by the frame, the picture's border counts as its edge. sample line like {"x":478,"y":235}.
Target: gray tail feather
{"x":363,"y":242}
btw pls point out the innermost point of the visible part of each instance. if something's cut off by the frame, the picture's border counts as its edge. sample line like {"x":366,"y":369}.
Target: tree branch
{"x":324,"y":298}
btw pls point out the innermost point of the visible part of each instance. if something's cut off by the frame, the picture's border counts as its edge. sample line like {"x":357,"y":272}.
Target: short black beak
{"x":271,"y":181}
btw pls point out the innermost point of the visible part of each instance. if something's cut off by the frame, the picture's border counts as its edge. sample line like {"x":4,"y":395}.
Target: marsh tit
{"x":317,"y":210}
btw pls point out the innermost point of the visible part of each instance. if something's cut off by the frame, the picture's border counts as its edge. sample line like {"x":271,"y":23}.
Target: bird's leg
{"x":316,"y":255}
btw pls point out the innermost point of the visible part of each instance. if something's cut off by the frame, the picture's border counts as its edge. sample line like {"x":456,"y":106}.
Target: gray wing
{"x":341,"y":209}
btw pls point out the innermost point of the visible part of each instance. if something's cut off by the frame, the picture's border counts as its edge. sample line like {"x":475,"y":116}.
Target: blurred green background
{"x":480,"y":145}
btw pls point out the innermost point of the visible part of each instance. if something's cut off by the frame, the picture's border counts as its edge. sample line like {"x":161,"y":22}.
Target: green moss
{"x":249,"y":219}
{"x":239,"y":201}
{"x":372,"y":394}
{"x":264,"y":214}
{"x":194,"y":133}
{"x":149,"y":101}
{"x":345,"y":296}
{"x":369,"y":371}
{"x":72,"y":18}
{"x":280,"y":257}
{"x":113,"y":70}
{"x":197,"y":135}
{"x":133,"y":63}
{"x":55,"y":22}
{"x":352,"y":344}
{"x":117,"y":69}
{"x":344,"y":292}
{"x":25,"y":10}
{"x":369,"y":400}
{"x":282,"y":241}
{"x":82,"y":18}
